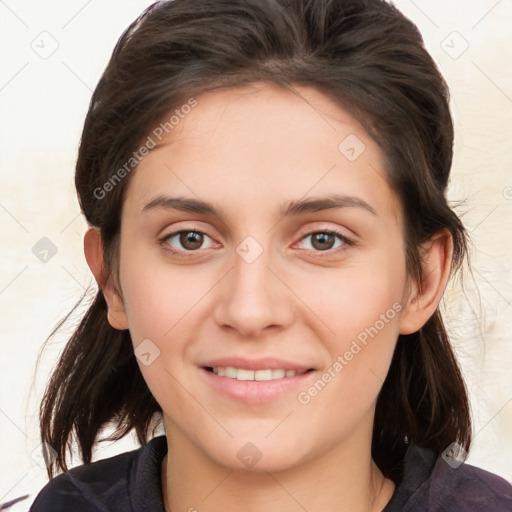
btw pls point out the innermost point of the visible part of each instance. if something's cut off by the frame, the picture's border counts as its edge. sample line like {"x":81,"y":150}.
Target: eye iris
{"x":323,"y":240}
{"x":191,"y":239}
{"x":194,"y":240}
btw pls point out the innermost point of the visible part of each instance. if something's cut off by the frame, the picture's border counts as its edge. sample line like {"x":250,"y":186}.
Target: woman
{"x":265,"y":187}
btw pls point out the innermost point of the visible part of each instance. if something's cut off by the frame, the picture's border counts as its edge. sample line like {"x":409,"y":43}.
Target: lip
{"x":257,"y":392}
{"x":264,"y":363}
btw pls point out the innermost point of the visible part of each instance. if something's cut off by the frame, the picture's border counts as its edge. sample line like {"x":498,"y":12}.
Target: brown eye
{"x":186,"y":241}
{"x":191,"y":239}
{"x":325,"y":241}
{"x":322,"y":241}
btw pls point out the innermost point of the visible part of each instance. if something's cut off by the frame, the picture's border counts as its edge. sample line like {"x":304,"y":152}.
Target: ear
{"x":93,"y":249}
{"x":423,"y":301}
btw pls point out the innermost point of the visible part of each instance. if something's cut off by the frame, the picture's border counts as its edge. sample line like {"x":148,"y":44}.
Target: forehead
{"x":258,"y":145}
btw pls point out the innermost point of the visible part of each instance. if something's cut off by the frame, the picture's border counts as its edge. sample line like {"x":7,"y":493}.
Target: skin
{"x":248,"y":151}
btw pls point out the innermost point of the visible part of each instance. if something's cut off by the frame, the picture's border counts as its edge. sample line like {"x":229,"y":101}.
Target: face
{"x":262,"y":241}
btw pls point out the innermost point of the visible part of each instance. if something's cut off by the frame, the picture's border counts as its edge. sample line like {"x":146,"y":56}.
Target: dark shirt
{"x":131,"y":482}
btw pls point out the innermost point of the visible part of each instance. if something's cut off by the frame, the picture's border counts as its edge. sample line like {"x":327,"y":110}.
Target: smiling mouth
{"x":231,"y":372}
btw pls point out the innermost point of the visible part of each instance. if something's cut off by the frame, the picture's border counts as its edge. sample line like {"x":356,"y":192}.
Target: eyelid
{"x":347,"y":241}
{"x":163,"y":240}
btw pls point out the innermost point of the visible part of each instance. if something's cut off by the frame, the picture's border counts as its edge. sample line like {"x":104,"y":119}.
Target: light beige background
{"x":43,"y":102}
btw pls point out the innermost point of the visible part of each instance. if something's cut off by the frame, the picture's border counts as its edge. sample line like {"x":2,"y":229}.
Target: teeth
{"x":244,"y":374}
{"x":263,"y":375}
{"x":258,"y":375}
{"x":230,"y":372}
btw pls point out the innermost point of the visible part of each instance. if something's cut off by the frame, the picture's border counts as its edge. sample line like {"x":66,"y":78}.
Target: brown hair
{"x":367,"y":57}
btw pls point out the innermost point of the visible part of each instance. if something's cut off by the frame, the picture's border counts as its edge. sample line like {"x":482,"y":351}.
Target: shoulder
{"x":467,"y":487}
{"x":112,"y":484}
{"x":431,"y":484}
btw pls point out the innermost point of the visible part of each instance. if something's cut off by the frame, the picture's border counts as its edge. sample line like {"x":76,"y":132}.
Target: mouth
{"x":230,"y":372}
{"x":258,"y":386}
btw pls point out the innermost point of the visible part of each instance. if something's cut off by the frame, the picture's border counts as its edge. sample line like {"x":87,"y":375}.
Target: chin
{"x":259,"y":456}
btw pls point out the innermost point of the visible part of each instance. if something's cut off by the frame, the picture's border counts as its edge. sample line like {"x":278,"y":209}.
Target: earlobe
{"x":423,"y":301}
{"x":93,"y":249}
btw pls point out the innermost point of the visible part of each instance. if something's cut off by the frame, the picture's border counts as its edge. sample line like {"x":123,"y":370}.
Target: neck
{"x":337,"y":481}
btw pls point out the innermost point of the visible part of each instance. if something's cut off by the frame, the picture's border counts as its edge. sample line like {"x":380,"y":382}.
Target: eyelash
{"x":329,"y":252}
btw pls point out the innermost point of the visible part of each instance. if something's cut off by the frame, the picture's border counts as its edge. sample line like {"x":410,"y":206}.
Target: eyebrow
{"x":292,"y":208}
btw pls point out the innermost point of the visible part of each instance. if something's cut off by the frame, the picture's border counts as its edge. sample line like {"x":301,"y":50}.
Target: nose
{"x":252,"y":297}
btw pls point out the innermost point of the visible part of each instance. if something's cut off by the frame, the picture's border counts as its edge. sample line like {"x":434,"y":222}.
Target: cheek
{"x":361,"y":309}
{"x":360,"y":355}
{"x":158,"y":298}
{"x":162,"y":304}
{"x":356,"y":297}
{"x":160,"y":309}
